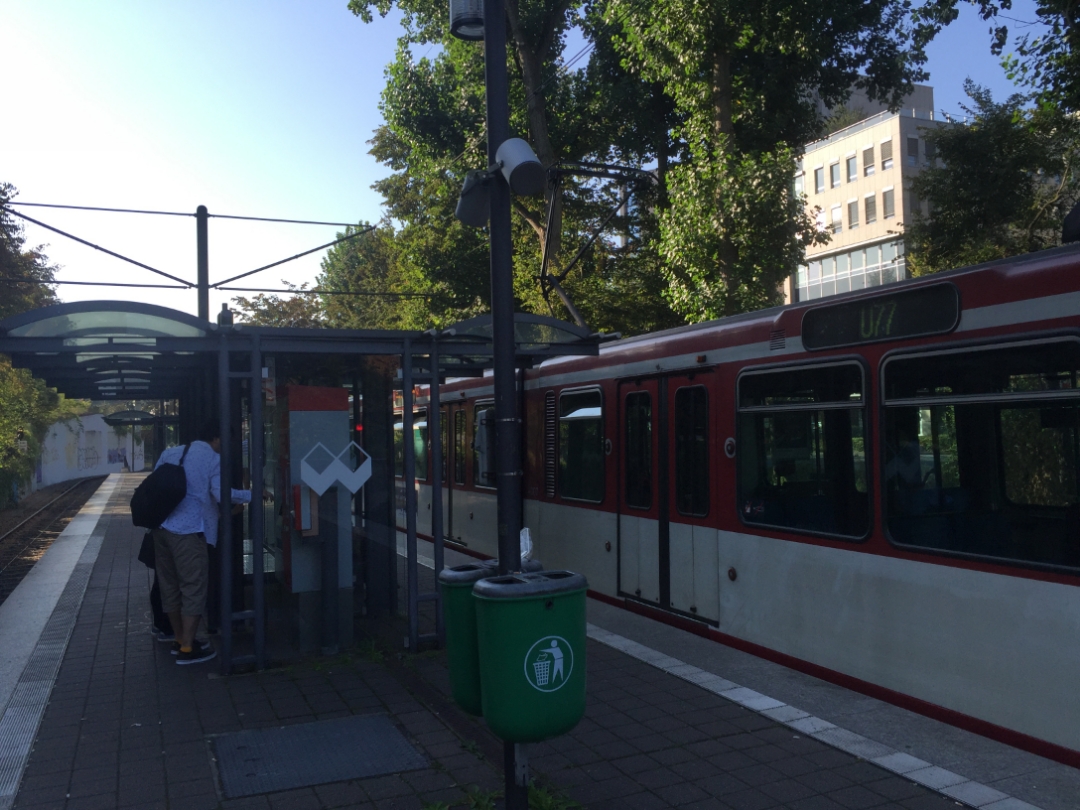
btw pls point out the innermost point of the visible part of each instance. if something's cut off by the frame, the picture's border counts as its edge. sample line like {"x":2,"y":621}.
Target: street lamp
{"x":491,"y":27}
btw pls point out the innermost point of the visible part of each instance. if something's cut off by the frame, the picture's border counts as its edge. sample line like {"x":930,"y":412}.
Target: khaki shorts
{"x":182,"y":565}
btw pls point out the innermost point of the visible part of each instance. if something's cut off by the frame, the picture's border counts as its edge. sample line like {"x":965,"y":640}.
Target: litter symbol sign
{"x":548,"y":663}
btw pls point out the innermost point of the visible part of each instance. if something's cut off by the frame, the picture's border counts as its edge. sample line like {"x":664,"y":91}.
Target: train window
{"x":638,"y":455}
{"x":550,"y":445}
{"x":692,"y":451}
{"x":581,"y":446}
{"x":420,"y":446}
{"x":982,"y":450}
{"x":459,"y":447}
{"x":802,"y":450}
{"x":484,"y":445}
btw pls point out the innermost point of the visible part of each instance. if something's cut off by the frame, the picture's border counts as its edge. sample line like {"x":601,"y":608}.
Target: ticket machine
{"x":317,"y":470}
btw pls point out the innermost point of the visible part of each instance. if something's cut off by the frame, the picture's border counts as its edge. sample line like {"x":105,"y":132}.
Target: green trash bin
{"x":459,"y":616}
{"x":531,"y":634}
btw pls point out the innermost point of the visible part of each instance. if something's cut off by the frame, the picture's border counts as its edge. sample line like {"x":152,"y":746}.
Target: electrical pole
{"x":507,"y":427}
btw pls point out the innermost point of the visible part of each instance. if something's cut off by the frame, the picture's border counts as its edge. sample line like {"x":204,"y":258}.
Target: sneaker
{"x":162,"y":636}
{"x":175,"y":648}
{"x":199,"y":652}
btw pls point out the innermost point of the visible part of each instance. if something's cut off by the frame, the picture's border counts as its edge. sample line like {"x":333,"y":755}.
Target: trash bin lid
{"x":527,"y":566}
{"x":464,"y":574}
{"x":517,"y":586}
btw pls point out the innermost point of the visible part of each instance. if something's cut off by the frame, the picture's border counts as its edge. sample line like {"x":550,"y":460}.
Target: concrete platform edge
{"x":36,"y":622}
{"x":959,"y":788}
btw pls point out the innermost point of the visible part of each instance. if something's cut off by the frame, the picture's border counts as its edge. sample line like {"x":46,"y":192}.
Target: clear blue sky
{"x":252,"y":108}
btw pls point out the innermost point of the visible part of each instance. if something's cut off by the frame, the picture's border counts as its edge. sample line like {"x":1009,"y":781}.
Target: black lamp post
{"x":492,"y":27}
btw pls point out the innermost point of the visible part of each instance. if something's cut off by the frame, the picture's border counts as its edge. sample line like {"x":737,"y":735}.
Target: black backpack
{"x":159,"y":494}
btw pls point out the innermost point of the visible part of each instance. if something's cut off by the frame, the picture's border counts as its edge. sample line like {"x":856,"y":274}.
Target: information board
{"x":931,"y":310}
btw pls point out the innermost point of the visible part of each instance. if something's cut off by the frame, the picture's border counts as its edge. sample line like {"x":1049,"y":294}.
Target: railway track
{"x":22,"y":545}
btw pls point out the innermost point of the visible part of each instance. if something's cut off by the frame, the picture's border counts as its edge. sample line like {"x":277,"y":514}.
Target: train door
{"x":455,"y":460}
{"x":667,"y":556}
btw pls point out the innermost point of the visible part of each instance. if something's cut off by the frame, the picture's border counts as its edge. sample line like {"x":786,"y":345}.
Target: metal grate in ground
{"x":288,"y":757}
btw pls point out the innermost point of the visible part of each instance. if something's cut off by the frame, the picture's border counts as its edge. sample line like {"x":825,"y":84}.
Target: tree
{"x":435,"y":131}
{"x":747,"y":78}
{"x":27,"y":407}
{"x":1003,"y":187}
{"x":25,"y":273}
{"x":301,"y":310}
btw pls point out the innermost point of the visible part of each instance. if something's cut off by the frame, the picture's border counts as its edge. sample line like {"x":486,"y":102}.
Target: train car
{"x":880,"y":488}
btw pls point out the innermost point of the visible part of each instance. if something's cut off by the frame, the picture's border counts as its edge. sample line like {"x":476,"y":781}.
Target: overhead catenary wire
{"x":182,"y":214}
{"x":94,"y":283}
{"x":317,"y":291}
{"x":345,"y":238}
{"x":103,"y":250}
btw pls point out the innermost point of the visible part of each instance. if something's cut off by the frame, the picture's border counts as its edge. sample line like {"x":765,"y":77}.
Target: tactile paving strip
{"x":282,"y":758}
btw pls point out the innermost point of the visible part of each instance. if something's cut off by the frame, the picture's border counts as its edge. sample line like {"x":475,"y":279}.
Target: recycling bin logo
{"x":548,"y":663}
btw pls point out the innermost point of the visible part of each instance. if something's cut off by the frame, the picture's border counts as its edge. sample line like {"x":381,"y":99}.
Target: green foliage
{"x":17,"y":261}
{"x":267,"y":309}
{"x":480,"y":799}
{"x":733,"y":233}
{"x":746,"y":77}
{"x":435,"y":131}
{"x":1005,"y":182}
{"x":543,"y":798}
{"x":27,"y":407}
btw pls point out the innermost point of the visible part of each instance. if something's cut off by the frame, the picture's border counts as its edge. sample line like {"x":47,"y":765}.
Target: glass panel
{"x":834,"y":175}
{"x":459,"y":447}
{"x":857,"y":259}
{"x":888,"y":251}
{"x":828,"y":267}
{"x":804,"y":470}
{"x":420,"y":443}
{"x":985,"y":479}
{"x":813,"y":291}
{"x":819,"y":180}
{"x":815,"y":271}
{"x":828,"y":288}
{"x":870,"y":204}
{"x":842,"y":383}
{"x":801,"y":279}
{"x":843,"y":285}
{"x":399,"y":449}
{"x":858,"y":281}
{"x":888,"y":203}
{"x":483,"y":434}
{"x":104,"y":323}
{"x":798,"y":184}
{"x":853,"y":214}
{"x":581,"y":446}
{"x":638,"y":469}
{"x":842,"y":264}
{"x":852,"y":169}
{"x":1049,"y":368}
{"x":868,"y":162}
{"x":692,"y":451}
{"x":873,"y":277}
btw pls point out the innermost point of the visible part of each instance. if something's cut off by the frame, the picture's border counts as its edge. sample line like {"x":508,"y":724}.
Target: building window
{"x":931,"y":151}
{"x":799,"y":184}
{"x":870,"y":206}
{"x":837,"y":224}
{"x":834,"y":175}
{"x":484,"y":445}
{"x":914,"y":203}
{"x":853,"y":214}
{"x":912,"y":151}
{"x":802,"y":457}
{"x":886,"y":155}
{"x":819,"y":180}
{"x":868,"y":161}
{"x":888,"y":203}
{"x":852,"y":169}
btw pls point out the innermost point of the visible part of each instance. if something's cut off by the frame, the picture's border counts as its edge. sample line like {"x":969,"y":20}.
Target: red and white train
{"x":880,"y":488}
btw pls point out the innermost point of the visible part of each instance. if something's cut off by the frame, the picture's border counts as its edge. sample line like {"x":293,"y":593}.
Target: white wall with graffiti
{"x":86,"y":446}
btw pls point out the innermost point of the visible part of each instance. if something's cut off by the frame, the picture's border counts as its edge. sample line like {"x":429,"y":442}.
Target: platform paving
{"x":127,"y":728}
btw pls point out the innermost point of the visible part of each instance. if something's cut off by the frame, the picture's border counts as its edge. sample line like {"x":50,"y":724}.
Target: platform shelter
{"x":309,"y":429}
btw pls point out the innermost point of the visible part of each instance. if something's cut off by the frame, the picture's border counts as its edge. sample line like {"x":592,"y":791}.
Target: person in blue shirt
{"x":180,"y":545}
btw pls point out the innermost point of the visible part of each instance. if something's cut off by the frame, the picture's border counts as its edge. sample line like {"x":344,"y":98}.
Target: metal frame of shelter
{"x":125,"y":350}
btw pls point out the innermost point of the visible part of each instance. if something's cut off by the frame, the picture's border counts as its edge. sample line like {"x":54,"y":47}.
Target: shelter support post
{"x":202,"y":250}
{"x":225,"y":499}
{"x":435,"y":434}
{"x":380,"y":532}
{"x":409,"y":476}
{"x":256,"y":452}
